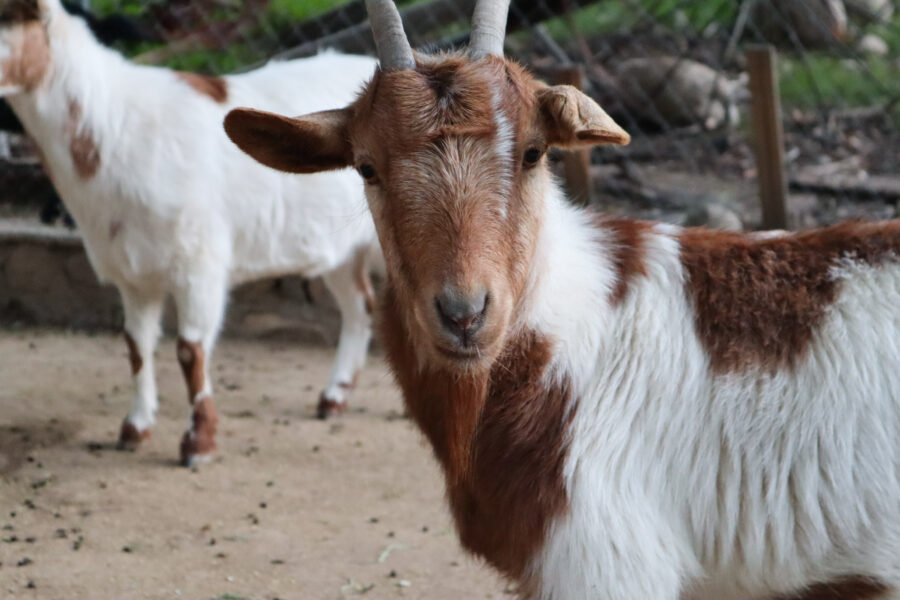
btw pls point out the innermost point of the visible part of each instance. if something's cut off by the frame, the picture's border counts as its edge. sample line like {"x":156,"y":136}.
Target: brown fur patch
{"x":215,"y":88}
{"x":626,"y":252}
{"x":500,"y":438}
{"x":201,"y":439}
{"x":29,"y":60}
{"x":82,"y":148}
{"x":851,"y":588}
{"x":758,"y":302}
{"x":191,"y":359}
{"x":129,"y":436}
{"x":134,"y":356}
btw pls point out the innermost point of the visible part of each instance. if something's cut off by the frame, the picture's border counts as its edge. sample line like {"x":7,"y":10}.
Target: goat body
{"x":167,"y":205}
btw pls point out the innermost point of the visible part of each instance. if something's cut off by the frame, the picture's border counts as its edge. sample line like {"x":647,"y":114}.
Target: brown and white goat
{"x":622,"y":410}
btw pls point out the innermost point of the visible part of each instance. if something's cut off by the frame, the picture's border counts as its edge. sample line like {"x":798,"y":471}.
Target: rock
{"x":32,"y":268}
{"x":714,"y":216}
{"x":878,"y":11}
{"x":872,"y":44}
{"x":673,"y":91}
{"x":814,"y":23}
{"x":79,"y":270}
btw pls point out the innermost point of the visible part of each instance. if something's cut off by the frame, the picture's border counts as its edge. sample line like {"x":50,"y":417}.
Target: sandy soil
{"x":291,"y":508}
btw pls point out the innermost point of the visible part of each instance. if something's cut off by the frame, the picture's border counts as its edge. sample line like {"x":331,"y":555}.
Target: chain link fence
{"x":671,"y":71}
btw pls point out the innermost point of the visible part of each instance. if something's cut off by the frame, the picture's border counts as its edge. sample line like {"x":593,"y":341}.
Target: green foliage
{"x":127,"y":7}
{"x":216,"y":61}
{"x":291,"y":11}
{"x":622,"y":15}
{"x":819,"y":80}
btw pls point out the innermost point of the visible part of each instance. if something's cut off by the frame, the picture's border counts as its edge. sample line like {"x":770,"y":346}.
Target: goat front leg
{"x":201,"y":307}
{"x":352,"y":290}
{"x":142,"y":315}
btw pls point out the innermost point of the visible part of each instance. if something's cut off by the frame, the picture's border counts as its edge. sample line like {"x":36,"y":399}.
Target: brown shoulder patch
{"x":626,"y":252}
{"x":516,"y":486}
{"x":29,"y":58}
{"x":82,"y":148}
{"x":500,"y":438}
{"x":214,"y":87}
{"x":758,"y":301}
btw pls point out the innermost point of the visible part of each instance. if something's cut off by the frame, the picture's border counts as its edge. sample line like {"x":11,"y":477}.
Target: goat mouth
{"x":459,"y":355}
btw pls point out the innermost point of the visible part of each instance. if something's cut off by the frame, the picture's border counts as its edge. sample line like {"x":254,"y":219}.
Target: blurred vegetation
{"x":810,"y":79}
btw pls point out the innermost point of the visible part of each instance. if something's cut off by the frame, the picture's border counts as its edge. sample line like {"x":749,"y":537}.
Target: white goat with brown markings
{"x":622,"y":410}
{"x":167,"y":206}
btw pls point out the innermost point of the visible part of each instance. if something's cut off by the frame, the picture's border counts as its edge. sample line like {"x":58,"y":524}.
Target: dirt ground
{"x":292,"y":507}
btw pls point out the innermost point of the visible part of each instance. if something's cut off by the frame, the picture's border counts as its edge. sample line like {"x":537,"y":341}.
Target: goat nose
{"x":461,"y":314}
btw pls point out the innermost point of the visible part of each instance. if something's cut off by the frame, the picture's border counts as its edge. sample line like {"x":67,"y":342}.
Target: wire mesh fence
{"x":671,"y":71}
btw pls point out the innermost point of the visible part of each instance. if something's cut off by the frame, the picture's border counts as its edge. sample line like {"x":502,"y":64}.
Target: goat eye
{"x":367,"y":171}
{"x":532,"y":156}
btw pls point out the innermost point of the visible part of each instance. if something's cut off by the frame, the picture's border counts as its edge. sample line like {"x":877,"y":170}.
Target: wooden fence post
{"x":768,"y":135}
{"x":576,"y":163}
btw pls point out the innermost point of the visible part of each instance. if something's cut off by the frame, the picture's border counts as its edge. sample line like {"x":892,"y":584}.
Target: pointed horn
{"x":488,"y":28}
{"x":394,"y":51}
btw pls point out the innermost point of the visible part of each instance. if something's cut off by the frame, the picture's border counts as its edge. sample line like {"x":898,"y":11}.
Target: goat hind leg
{"x":201,"y":307}
{"x":142,"y":315}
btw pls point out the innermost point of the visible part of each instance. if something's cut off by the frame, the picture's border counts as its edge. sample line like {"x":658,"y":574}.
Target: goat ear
{"x":573,"y":120}
{"x":308,"y":144}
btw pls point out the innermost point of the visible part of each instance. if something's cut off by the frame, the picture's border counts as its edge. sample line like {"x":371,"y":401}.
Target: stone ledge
{"x":46,"y":280}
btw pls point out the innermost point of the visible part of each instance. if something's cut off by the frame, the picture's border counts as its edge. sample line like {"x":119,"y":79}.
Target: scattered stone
{"x":872,"y":44}
{"x":676,"y":91}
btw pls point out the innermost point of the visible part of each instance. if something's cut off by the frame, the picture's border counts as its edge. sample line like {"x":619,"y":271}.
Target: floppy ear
{"x":308,"y":144}
{"x":573,"y":120}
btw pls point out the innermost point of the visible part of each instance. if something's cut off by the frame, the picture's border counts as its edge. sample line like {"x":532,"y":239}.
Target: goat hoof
{"x":196,"y":449}
{"x":329,"y":408}
{"x":130,"y":438}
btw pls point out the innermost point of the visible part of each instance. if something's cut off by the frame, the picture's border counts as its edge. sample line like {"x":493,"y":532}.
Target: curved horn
{"x":393,"y":49}
{"x":488,"y":28}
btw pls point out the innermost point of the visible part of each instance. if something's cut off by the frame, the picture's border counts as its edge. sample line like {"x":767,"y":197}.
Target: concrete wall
{"x":46,"y":280}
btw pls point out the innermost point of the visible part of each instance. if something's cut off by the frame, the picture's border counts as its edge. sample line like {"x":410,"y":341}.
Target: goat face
{"x":452,"y":153}
{"x":24,"y":49}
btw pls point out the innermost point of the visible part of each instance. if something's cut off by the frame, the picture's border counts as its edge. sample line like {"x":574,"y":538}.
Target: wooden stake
{"x":576,"y":163}
{"x":768,"y":134}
